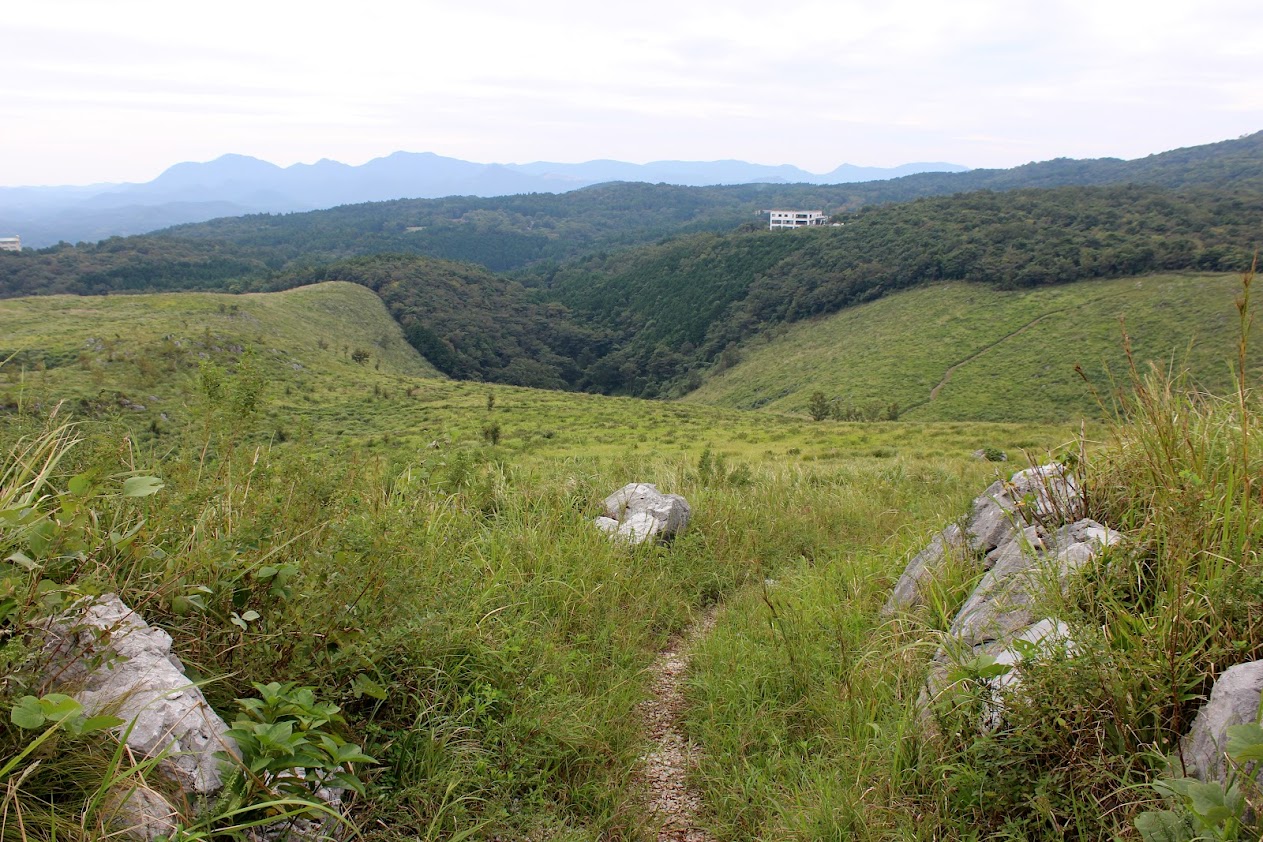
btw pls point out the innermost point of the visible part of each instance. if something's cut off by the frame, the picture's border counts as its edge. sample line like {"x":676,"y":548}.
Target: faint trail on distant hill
{"x":664,"y":768}
{"x":947,"y":375}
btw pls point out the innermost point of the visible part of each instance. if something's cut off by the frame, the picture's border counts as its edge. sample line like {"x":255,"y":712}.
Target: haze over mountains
{"x":233,"y":185}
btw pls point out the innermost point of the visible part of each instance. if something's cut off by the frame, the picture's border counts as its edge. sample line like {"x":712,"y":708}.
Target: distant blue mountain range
{"x":233,"y":185}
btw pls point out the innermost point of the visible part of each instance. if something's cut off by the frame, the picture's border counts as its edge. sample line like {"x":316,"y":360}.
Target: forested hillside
{"x":689,"y":303}
{"x":469,"y":323}
{"x":509,"y":232}
{"x":649,"y":320}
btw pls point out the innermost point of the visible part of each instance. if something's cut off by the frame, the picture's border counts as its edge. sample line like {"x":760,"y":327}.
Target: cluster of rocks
{"x":113,"y":662}
{"x":638,"y":512}
{"x":1022,"y":536}
{"x":1026,"y":536}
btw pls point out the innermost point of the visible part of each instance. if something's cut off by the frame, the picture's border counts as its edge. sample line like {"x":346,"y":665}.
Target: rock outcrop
{"x":1017,"y":571}
{"x":138,"y":812}
{"x":1234,"y":700}
{"x":113,"y":662}
{"x":1023,"y":536}
{"x":1043,"y":495}
{"x":638,"y":512}
{"x":931,"y":562}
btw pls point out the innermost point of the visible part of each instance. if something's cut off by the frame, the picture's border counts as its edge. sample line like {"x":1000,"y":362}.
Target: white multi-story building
{"x":796,"y":218}
{"x":10,"y":243}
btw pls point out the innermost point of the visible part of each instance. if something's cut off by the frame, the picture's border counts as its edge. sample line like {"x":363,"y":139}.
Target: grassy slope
{"x":57,"y":329}
{"x":512,"y":638}
{"x":1016,"y":351}
{"x":141,"y":352}
{"x":394,"y":400}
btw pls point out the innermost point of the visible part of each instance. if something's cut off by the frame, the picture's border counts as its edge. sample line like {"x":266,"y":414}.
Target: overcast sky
{"x":117,"y":91}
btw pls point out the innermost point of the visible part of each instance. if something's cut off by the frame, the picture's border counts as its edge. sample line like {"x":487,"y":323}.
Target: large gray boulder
{"x":113,"y":662}
{"x":1234,"y":700}
{"x":639,"y":512}
{"x":1022,"y":568}
{"x":1046,"y":637}
{"x":998,"y":619}
{"x":138,"y":812}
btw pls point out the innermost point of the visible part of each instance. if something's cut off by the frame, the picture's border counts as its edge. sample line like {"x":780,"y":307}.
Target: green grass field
{"x":137,"y":358}
{"x":991,"y":355}
{"x":420,"y":551}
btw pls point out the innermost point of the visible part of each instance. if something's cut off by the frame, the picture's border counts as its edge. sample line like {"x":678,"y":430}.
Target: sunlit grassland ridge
{"x":139,"y":345}
{"x":963,"y":351}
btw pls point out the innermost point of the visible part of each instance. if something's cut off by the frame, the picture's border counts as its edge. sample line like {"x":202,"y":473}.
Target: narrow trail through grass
{"x":947,"y":375}
{"x":668,"y":796}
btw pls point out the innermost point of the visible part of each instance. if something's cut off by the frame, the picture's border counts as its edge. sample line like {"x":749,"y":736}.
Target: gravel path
{"x":664,"y":768}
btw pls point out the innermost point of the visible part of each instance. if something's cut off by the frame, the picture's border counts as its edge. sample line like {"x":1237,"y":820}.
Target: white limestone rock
{"x":998,"y":617}
{"x":642,"y":513}
{"x":639,"y":527}
{"x":1048,"y":636}
{"x":1047,"y":494}
{"x":113,"y":662}
{"x":991,"y":519}
{"x":924,"y":567}
{"x":140,"y":813}
{"x":1000,"y":605}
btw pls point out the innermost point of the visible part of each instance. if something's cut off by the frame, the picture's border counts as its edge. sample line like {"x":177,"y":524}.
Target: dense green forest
{"x":510,"y":232}
{"x":469,"y":323}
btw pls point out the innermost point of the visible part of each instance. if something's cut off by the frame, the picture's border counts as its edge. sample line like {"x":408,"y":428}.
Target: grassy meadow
{"x":420,"y":552}
{"x":141,"y":363}
{"x":990,"y":355}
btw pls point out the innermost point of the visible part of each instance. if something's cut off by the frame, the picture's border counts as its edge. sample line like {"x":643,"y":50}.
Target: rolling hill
{"x":143,"y":355}
{"x":488,"y":641}
{"x":652,"y":320}
{"x":960,"y":351}
{"x":510,"y":232}
{"x":232,"y":185}
{"x":622,"y":316}
{"x":139,"y":362}
{"x":686,"y":306}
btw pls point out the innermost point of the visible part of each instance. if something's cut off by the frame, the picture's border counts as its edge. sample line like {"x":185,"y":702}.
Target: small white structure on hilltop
{"x":10,"y":243}
{"x":795,"y":219}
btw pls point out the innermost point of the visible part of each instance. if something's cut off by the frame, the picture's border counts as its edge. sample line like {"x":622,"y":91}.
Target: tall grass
{"x":805,"y":700}
{"x":487,"y":644}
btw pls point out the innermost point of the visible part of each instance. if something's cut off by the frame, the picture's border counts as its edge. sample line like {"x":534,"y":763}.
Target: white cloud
{"x":92,"y":91}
